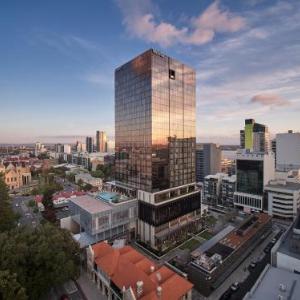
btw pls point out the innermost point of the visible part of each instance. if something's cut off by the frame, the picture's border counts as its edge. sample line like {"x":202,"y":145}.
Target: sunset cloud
{"x":140,"y":22}
{"x":269,"y":100}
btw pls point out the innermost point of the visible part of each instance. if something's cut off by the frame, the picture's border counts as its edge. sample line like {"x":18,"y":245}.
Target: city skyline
{"x":58,"y":63}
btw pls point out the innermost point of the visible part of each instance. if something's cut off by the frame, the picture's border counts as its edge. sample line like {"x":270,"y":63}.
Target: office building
{"x":253,"y":172}
{"x":59,"y":148}
{"x":121,"y":272}
{"x":107,"y":216}
{"x":288,"y":151}
{"x":89,"y":144}
{"x":228,"y":187}
{"x":80,"y":147}
{"x":208,"y":160}
{"x":283,"y":198}
{"x":212,"y":188}
{"x":155,"y":145}
{"x":67,"y":149}
{"x":101,"y":141}
{"x":255,"y":137}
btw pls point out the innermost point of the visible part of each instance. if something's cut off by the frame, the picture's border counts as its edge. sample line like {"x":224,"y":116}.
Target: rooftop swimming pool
{"x":108,"y":197}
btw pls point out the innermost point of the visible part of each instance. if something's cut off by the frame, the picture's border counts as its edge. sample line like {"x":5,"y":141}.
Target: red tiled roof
{"x":126,"y":267}
{"x":67,"y":195}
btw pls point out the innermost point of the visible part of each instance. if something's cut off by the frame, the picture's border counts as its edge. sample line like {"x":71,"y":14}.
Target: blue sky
{"x":57,"y":60}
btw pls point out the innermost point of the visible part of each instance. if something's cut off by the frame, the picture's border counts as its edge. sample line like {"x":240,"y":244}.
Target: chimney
{"x":139,"y":288}
{"x":159,"y":291}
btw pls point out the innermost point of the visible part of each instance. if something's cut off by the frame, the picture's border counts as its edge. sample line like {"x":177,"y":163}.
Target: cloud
{"x":269,"y":100}
{"x":140,"y":22}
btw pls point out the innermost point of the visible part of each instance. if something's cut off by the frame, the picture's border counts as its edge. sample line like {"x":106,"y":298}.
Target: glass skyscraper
{"x":155,"y":122}
{"x":155,"y":142}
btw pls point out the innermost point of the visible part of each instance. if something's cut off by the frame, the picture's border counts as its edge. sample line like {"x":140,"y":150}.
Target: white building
{"x":286,"y":252}
{"x":253,"y":172}
{"x":67,"y":149}
{"x":288,"y":151}
{"x":283,"y":198}
{"x":88,"y":179}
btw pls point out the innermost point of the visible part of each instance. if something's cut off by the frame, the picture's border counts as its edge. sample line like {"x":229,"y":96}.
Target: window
{"x":171,"y":74}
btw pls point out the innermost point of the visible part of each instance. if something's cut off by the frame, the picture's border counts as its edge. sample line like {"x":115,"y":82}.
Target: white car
{"x":235,"y":286}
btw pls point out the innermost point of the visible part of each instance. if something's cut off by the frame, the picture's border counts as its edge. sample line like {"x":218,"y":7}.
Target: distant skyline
{"x":58,"y":58}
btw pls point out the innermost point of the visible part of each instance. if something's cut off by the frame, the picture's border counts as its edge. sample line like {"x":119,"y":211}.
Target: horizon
{"x":57,"y":77}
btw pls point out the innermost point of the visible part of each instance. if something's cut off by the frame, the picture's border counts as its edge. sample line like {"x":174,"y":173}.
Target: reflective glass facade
{"x":250,"y":176}
{"x":155,"y":122}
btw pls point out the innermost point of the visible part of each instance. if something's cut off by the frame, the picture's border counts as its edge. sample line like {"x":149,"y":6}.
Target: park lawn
{"x":191,"y":244}
{"x":206,"y":235}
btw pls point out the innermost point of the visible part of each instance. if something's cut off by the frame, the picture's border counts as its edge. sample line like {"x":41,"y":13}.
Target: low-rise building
{"x":274,"y":283}
{"x":62,"y":198}
{"x":16,"y":176}
{"x":216,"y":259}
{"x":283,"y":198}
{"x":88,"y":179}
{"x":286,"y":252}
{"x":105,"y":217}
{"x":124,"y":273}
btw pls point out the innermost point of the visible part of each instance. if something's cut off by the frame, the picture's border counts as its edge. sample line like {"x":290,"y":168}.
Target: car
{"x":226,"y":295}
{"x":273,"y":241}
{"x":17,"y":205}
{"x":253,"y":265}
{"x":267,"y":249}
{"x":235,"y":286}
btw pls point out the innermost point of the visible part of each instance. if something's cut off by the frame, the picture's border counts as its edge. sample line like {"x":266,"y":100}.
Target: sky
{"x":57,"y":61}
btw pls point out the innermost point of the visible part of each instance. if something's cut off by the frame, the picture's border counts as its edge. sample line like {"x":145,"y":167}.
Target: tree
{"x":10,"y":288}
{"x":7,"y":216}
{"x":41,"y":258}
{"x":97,"y":174}
{"x":87,"y":187}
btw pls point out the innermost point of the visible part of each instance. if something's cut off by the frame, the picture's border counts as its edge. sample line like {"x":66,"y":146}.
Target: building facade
{"x":283,"y":199}
{"x":156,"y":139}
{"x":105,"y":217}
{"x":288,"y":151}
{"x":208,"y":160}
{"x":101,"y":141}
{"x":89,"y":144}
{"x":253,"y":172}
{"x":228,"y":187}
{"x":16,"y":177}
{"x":255,"y":137}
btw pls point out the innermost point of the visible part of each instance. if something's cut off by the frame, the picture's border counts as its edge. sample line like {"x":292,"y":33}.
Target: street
{"x":27,"y":214}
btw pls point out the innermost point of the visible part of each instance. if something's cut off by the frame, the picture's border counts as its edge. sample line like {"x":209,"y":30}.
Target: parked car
{"x":226,"y":295}
{"x":253,"y":265}
{"x":235,"y":286}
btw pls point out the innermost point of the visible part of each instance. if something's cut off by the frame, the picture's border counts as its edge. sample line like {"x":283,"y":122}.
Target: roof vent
{"x":139,"y":288}
{"x":152,"y":269}
{"x":159,"y":291}
{"x":158,"y":276}
{"x":280,"y":297}
{"x":282,"y":287}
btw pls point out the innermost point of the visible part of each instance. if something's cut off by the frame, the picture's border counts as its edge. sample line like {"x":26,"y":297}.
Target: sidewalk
{"x":88,"y":288}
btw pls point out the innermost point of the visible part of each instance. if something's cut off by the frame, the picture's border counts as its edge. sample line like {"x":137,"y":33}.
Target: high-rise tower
{"x":155,"y":144}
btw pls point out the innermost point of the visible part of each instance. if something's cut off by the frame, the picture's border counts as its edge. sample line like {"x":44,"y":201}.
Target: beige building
{"x":16,"y":176}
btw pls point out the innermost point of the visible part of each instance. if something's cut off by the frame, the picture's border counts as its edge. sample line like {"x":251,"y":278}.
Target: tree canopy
{"x":7,"y":216}
{"x":41,"y":258}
